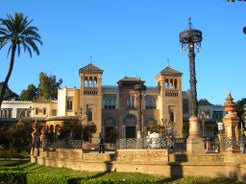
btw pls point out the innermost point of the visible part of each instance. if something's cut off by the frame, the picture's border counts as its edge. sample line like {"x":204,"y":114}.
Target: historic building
{"x":125,"y":109}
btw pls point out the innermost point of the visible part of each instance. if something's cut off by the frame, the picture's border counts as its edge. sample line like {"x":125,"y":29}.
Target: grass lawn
{"x":129,"y":177}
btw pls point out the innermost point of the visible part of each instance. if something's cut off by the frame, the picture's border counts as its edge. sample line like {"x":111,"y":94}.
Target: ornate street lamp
{"x":191,"y":39}
{"x":220,"y":127}
{"x":140,"y":88}
{"x":204,"y":117}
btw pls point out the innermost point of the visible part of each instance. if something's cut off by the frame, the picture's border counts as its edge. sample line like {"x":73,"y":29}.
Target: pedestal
{"x":195,"y":144}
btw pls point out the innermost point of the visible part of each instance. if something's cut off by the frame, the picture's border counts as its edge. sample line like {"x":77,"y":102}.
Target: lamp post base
{"x":195,"y":144}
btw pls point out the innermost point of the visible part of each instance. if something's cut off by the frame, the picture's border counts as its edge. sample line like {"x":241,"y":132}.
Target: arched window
{"x":171,"y":116}
{"x":130,"y":119}
{"x":167,"y":84}
{"x":86,"y":81}
{"x":175,"y":83}
{"x":171,"y":84}
{"x":95,"y":82}
{"x":90,"y":81}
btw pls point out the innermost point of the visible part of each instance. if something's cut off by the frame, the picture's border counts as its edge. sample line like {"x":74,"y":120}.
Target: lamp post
{"x":191,"y":39}
{"x":203,"y":116}
{"x":140,"y":88}
{"x":80,"y":117}
{"x":220,"y":127}
{"x":221,"y":136}
{"x":242,"y":137}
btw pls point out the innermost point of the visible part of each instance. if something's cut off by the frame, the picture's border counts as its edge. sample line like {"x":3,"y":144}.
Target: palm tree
{"x":18,"y":33}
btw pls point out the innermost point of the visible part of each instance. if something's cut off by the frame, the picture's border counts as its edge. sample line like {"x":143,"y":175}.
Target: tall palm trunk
{"x":11,"y":66}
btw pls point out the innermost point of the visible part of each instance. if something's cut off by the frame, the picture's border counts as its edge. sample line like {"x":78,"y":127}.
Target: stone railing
{"x":71,"y":144}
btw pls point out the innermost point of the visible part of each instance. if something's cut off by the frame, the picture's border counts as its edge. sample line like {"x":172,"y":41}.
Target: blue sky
{"x":133,"y":38}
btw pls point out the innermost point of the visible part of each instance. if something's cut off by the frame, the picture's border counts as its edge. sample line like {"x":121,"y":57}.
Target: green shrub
{"x":13,"y":153}
{"x":13,"y":177}
{"x":36,"y":178}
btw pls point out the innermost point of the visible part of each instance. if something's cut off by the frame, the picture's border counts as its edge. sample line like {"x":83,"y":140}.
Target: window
{"x":130,"y":119}
{"x":150,"y":102}
{"x":69,"y":104}
{"x":5,"y":113}
{"x":36,"y":110}
{"x":217,"y":115}
{"x":22,"y":113}
{"x":44,"y":111}
{"x":89,"y":115}
{"x":109,"y":101}
{"x":130,"y":101}
{"x":171,"y":116}
{"x":185,"y":106}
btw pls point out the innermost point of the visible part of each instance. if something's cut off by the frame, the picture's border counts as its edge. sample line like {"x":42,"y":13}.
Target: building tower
{"x":170,"y":104}
{"x":91,"y":97}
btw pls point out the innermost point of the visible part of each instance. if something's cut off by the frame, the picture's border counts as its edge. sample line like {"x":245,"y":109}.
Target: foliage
{"x":19,"y":135}
{"x":185,"y":129}
{"x":70,"y":130}
{"x":13,"y":153}
{"x":155,"y":127}
{"x":29,"y":94}
{"x":16,"y":136}
{"x":4,"y":141}
{"x":240,"y":109}
{"x":88,"y":131}
{"x":48,"y":85}
{"x":162,"y":129}
{"x":16,"y":31}
{"x":9,"y":94}
{"x":112,"y":136}
{"x":9,"y":177}
{"x":47,"y":88}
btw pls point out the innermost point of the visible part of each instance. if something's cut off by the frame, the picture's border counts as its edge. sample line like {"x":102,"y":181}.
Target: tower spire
{"x":168,"y":62}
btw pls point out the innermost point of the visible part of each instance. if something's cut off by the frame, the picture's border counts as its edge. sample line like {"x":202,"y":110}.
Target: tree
{"x":233,"y":1}
{"x":88,"y":131}
{"x":29,"y":94}
{"x":16,"y":31}
{"x":240,"y":109}
{"x":47,"y":88}
{"x":9,"y":94}
{"x":19,"y":135}
{"x":48,"y":85}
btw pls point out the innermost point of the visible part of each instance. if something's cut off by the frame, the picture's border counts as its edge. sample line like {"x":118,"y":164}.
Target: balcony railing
{"x":145,"y":143}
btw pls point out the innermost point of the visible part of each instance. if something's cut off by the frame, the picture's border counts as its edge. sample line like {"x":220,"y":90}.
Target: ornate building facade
{"x":126,"y":109}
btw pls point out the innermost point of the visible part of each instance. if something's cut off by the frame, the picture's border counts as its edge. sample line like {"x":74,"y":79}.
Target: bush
{"x":13,"y":177}
{"x":13,"y":153}
{"x":35,"y":178}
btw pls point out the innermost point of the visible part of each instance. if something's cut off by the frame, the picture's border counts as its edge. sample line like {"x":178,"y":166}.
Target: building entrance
{"x":130,"y":132}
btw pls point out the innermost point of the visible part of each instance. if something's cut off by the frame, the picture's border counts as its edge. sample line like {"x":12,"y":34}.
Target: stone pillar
{"x":231,"y":121}
{"x":195,"y":144}
{"x":42,"y":138}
